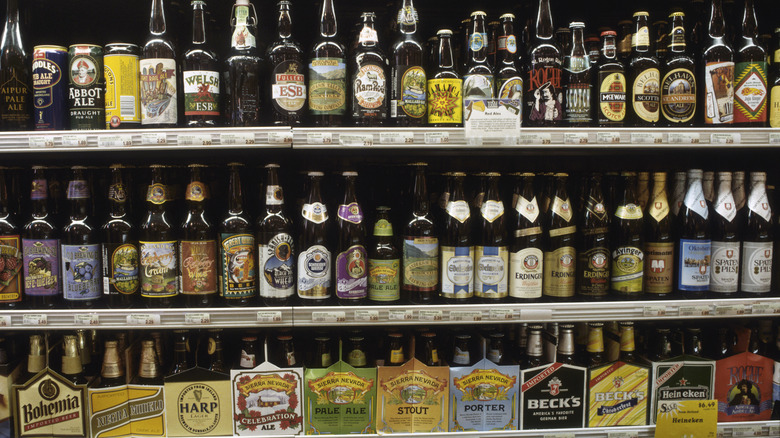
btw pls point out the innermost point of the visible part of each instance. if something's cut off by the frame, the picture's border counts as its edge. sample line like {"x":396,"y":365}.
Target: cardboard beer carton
{"x":553,"y":396}
{"x":484,"y":397}
{"x":267,"y":400}
{"x":618,"y":395}
{"x":198,"y":403}
{"x":682,"y":378}
{"x":412,"y":398}
{"x":340,"y":399}
{"x":743,"y":387}
{"x":109,"y":412}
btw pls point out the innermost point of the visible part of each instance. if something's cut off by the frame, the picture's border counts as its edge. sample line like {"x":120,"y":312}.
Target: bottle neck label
{"x":596,"y":208}
{"x":242,"y":38}
{"x":528,"y":209}
{"x":725,"y":205}
{"x":641,"y":38}
{"x":492,"y":210}
{"x":383,"y":228}
{"x":196,"y":192}
{"x":695,"y":201}
{"x":477,"y":41}
{"x":274,"y":195}
{"x":629,"y":212}
{"x":316,"y":212}
{"x":368,"y":35}
{"x":562,"y":208}
{"x":659,"y":208}
{"x":758,"y":202}
{"x":459,"y":210}
{"x":78,"y":189}
{"x":276,"y":261}
{"x":351,"y":213}
{"x":508,"y":43}
{"x":157,"y":194}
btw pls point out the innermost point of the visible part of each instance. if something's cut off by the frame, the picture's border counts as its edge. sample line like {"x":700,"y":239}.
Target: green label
{"x":384,"y":280}
{"x":237,"y":256}
{"x":327,"y":86}
{"x":340,"y":400}
{"x":383,"y":228}
{"x":690,"y":379}
{"x":421,"y":263}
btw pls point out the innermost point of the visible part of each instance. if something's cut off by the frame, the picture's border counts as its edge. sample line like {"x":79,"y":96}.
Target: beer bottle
{"x":544,"y":91}
{"x":659,"y":246}
{"x":697,"y":15}
{"x":724,"y":278}
{"x":577,"y":80}
{"x":610,"y":84}
{"x":627,"y":248}
{"x":693,"y":345}
{"x":15,"y":79}
{"x":643,"y":76}
{"x":384,"y":262}
{"x":757,"y":244}
{"x":216,"y":361}
{"x":356,"y":352}
{"x":774,"y":84}
{"x":158,"y":245}
{"x":563,"y":37}
{"x":566,"y":353}
{"x":159,"y":74}
{"x":594,"y":256}
{"x":525,"y":258}
{"x":462,"y":351}
{"x":322,"y":356}
{"x":248,"y":358}
{"x":350,"y":264}
{"x":533,"y":349}
{"x":593,"y":47}
{"x":718,"y":68}
{"x":457,"y":251}
{"x":276,"y":248}
{"x":738,"y":191}
{"x":112,"y":372}
{"x":289,"y":357}
{"x":421,"y":247}
{"x":661,"y":41}
{"x":560,"y":256}
{"x":643,"y":189}
{"x":662,"y":345}
{"x":445,"y":87}
{"x":327,"y":72}
{"x":395,"y":350}
{"x":149,"y":366}
{"x":238,"y":281}
{"x":678,"y":87}
{"x":11,"y":247}
{"x":496,"y":349}
{"x":408,"y":86}
{"x":693,"y":256}
{"x":120,"y":245}
{"x":180,"y":349}
{"x":678,"y":192}
{"x":159,"y":350}
{"x":71,"y":361}
{"x":751,"y":74}
{"x":40,"y":248}
{"x":314,"y":260}
{"x":595,"y":344}
{"x":80,"y":248}
{"x":491,"y":264}
{"x":627,"y":346}
{"x":708,"y":187}
{"x":201,"y":75}
{"x":509,"y":81}
{"x":288,"y":80}
{"x":492,"y":37}
{"x":242,"y":74}
{"x":368,"y":65}
{"x":198,"y":246}
{"x":478,"y":79}
{"x":626,"y":28}
{"x":427,"y":350}
{"x":461,"y":49}
{"x":36,"y":357}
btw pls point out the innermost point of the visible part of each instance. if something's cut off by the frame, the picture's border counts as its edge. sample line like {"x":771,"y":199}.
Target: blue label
{"x":694,"y":272}
{"x":81,"y":268}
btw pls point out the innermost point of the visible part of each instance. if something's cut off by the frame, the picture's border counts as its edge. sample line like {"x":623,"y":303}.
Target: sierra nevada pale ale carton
{"x":340,"y":399}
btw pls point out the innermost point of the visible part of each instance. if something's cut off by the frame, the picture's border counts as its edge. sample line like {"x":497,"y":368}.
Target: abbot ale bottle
{"x":491,"y":258}
{"x":643,"y":76}
{"x":659,"y":243}
{"x":724,"y":278}
{"x":560,"y":255}
{"x":757,"y":244}
{"x":627,"y":248}
{"x":350,"y":266}
{"x":420,"y":245}
{"x":120,"y":245}
{"x":408,"y":82}
{"x":238,"y":267}
{"x":525,"y":248}
{"x":276,"y":246}
{"x":200,"y":71}
{"x":593,"y":256}
{"x":384,"y":262}
{"x":314,"y":259}
{"x":692,"y":259}
{"x":198,"y":246}
{"x":457,"y":249}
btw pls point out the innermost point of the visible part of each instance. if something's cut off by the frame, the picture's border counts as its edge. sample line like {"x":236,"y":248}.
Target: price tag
{"x":560,"y":435}
{"x":683,"y":138}
{"x":654,"y":311}
{"x":400,"y":315}
{"x":694,"y":418}
{"x":437,"y":138}
{"x":732,"y":309}
{"x":535,"y":138}
{"x":725,"y":138}
{"x":154,"y":138}
{"x":536,"y":314}
{"x":396,"y":138}
{"x":319,"y":138}
{"x":695,"y":310}
{"x":34,"y":319}
{"x":90,"y":319}
{"x":197,"y":318}
{"x":501,"y":314}
{"x":236,"y":138}
{"x":72,"y":140}
{"x":765,"y":309}
{"x":575,"y":138}
{"x":5,"y":321}
{"x":774,"y":430}
{"x":193,"y":140}
{"x":607,"y":138}
{"x":269,"y":317}
{"x":367,"y":315}
{"x":329,"y":317}
{"x":623,"y":435}
{"x":647,"y":138}
{"x":280,"y":137}
{"x":466,"y":315}
{"x":774,"y":138}
{"x":356,"y":139}
{"x":143,"y":319}
{"x":113,"y":141}
{"x":752,"y":430}
{"x":41,"y":141}
{"x":429,"y":315}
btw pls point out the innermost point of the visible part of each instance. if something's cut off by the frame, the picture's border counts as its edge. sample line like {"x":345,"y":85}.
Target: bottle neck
{"x":629,"y":190}
{"x":315,"y":194}
{"x":677,"y":35}
{"x":198,"y":23}
{"x":195,"y":196}
{"x":506,"y":56}
{"x":235,"y":195}
{"x":368,"y":36}
{"x":39,"y":195}
{"x":274,"y":198}
{"x":12,"y":36}
{"x":117,"y":195}
{"x":328,"y":24}
{"x":78,"y":196}
{"x":157,"y":194}
{"x":717,"y":21}
{"x":407,"y":18}
{"x":4,"y":208}
{"x":492,"y":191}
{"x":284,"y":24}
{"x":544,"y":21}
{"x":640,"y":40}
{"x":749,"y":21}
{"x":533,"y":346}
{"x":566,"y":343}
{"x":478,"y":44}
{"x":578,"y":42}
{"x":445,"y":53}
{"x":608,"y":48}
{"x":349,"y":191}
{"x":659,"y":189}
{"x":157,"y":20}
{"x":595,"y":340}
{"x":421,"y":203}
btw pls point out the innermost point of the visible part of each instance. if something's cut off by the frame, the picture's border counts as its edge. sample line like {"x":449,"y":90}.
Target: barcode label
{"x":269,"y":317}
{"x":5,"y":321}
{"x":607,"y":138}
{"x":575,"y":138}
{"x":437,"y":137}
{"x":127,"y":106}
{"x":237,"y":138}
{"x":41,"y":141}
{"x":89,"y":319}
{"x":74,"y":140}
{"x":154,"y":138}
{"x":193,"y":139}
{"x":535,"y":139}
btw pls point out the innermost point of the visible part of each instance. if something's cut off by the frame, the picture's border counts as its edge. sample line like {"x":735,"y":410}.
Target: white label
{"x":535,"y":139}
{"x":159,"y":90}
{"x":732,"y":309}
{"x":725,"y":205}
{"x":623,"y":435}
{"x":725,"y":138}
{"x":754,"y":430}
{"x":356,"y":139}
{"x":280,"y":137}
{"x":492,"y":210}
{"x":112,"y":141}
{"x":269,"y":317}
{"x":41,"y":141}
{"x":329,"y":317}
{"x":491,"y":118}
{"x":694,"y":310}
{"x":237,"y":138}
{"x":559,"y":435}
{"x":758,"y":202}
{"x":367,"y":315}
{"x":765,"y":309}
{"x":34,"y":319}
{"x":756,"y":266}
{"x":774,"y":430}
{"x":74,"y":140}
{"x":525,"y":273}
{"x":654,"y":311}
{"x":535,"y":314}
{"x":194,"y":140}
{"x":319,"y":138}
{"x":143,"y":319}
{"x":774,"y":138}
{"x":396,"y":138}
{"x":607,"y":138}
{"x":400,"y":315}
{"x":429,"y":315}
{"x":5,"y":320}
{"x":89,"y":319}
{"x":459,"y":210}
{"x":197,"y":318}
{"x":647,"y":138}
{"x":683,"y":138}
{"x":694,"y":200}
{"x":501,"y":314}
{"x":575,"y":138}
{"x":465,"y":315}
{"x":724,"y":274}
{"x":154,"y":138}
{"x":529,"y":209}
{"x":437,"y":138}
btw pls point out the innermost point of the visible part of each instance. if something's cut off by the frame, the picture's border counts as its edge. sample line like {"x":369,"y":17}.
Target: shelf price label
{"x":280,"y":137}
{"x":437,"y":137}
{"x":237,"y":138}
{"x":400,"y":315}
{"x":88,"y":319}
{"x":41,"y":141}
{"x":319,"y":138}
{"x":694,"y":418}
{"x":654,"y":311}
{"x":114,"y":141}
{"x":623,"y":435}
{"x":429,"y":315}
{"x":726,"y":138}
{"x":396,"y":137}
{"x":560,"y":435}
{"x":647,"y":138}
{"x":752,"y":430}
{"x":695,"y":310}
{"x":765,"y":308}
{"x":575,"y":138}
{"x":466,"y":315}
{"x":774,"y":138}
{"x":35,"y":319}
{"x":356,"y":139}
{"x":143,"y":319}
{"x":501,"y":314}
{"x":74,"y":140}
{"x":730,"y":309}
{"x":534,"y":138}
{"x":774,"y":430}
{"x":5,"y":320}
{"x":269,"y":317}
{"x":329,"y":317}
{"x":154,"y":138}
{"x":194,"y":140}
{"x":197,"y":318}
{"x":367,"y":315}
{"x":683,"y":138}
{"x":608,"y":137}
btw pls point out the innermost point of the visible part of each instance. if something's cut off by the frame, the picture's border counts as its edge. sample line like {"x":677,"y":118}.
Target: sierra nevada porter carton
{"x":553,"y":396}
{"x":483,"y":397}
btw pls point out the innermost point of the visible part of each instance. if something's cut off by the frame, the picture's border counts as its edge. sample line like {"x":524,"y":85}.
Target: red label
{"x":743,"y":387}
{"x":10,"y":265}
{"x":198,"y":267}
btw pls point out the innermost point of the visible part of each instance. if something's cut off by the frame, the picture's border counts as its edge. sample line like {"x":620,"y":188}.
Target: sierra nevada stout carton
{"x":412,"y":398}
{"x":267,"y":400}
{"x":198,"y":403}
{"x":618,"y":395}
{"x":340,"y":399}
{"x":682,"y":378}
{"x":553,"y":396}
{"x":744,"y":387}
{"x":483,"y":397}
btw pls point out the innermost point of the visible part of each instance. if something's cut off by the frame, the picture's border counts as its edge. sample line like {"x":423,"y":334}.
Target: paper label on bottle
{"x":384,"y":283}
{"x":719,"y":93}
{"x":659,"y":208}
{"x":528,"y":209}
{"x":725,"y":205}
{"x":445,"y":101}
{"x":491,"y":276}
{"x":276,"y":260}
{"x":544,"y":94}
{"x":11,"y":264}
{"x":725,"y":267}
{"x":158,"y":91}
{"x":756,"y":266}
{"x":158,"y":269}
{"x":774,"y":110}
{"x":492,"y":210}
{"x":612,"y":97}
{"x":242,"y":38}
{"x":641,"y":37}
{"x":120,"y":269}
{"x":560,"y":272}
{"x":457,"y":279}
{"x":629,"y":212}
{"x":510,"y":88}
{"x":198,"y":267}
{"x":758,"y":203}
{"x":678,"y":95}
{"x":316,"y":212}
{"x":201,"y":93}
{"x":525,"y":276}
{"x":695,"y":201}
{"x":594,"y":271}
{"x":351,"y":213}
{"x":82,"y":272}
{"x":369,"y":92}
{"x":578,"y":99}
{"x":750,"y":93}
{"x":314,"y":275}
{"x":478,"y":86}
{"x":274,"y":195}
{"x":459,"y":210}
{"x":288,"y":87}
{"x":39,"y":190}
{"x":196,"y":191}
{"x":628,"y":269}
{"x":157,"y":194}
{"x":238,"y":273}
{"x":694,"y":257}
{"x":352,"y":273}
{"x":327,"y":86}
{"x":411,"y":83}
{"x":421,"y":263}
{"x":41,"y":266}
{"x":659,"y":264}
{"x":562,"y":208}
{"x":646,"y":95}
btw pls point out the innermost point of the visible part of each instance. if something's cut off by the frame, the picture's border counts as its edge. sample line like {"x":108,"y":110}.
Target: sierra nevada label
{"x":340,"y":400}
{"x":618,"y":394}
{"x":553,"y":397}
{"x":412,"y":398}
{"x":483,"y":397}
{"x":267,"y":403}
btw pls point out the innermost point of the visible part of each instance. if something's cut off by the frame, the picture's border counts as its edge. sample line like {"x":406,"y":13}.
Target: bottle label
{"x":629,"y":212}
{"x":774,"y":113}
{"x":641,"y":37}
{"x":612,"y":96}
{"x":78,"y":189}
{"x":719,"y":93}
{"x":627,"y":269}
{"x":196,"y":192}
{"x":750,"y":92}
{"x":756,"y":266}
{"x":647,"y":94}
{"x":316,"y":212}
{"x":678,"y":95}
{"x":445,"y":101}
{"x":120,"y":269}
{"x":41,"y":266}
{"x":274,"y":195}
{"x":528,"y":209}
{"x":384,"y":280}
{"x":559,"y":272}
{"x":10,"y":265}
{"x":158,"y":91}
{"x":578,"y":102}
{"x":238,"y":273}
{"x":327,"y":86}
{"x":544,"y":93}
{"x":659,"y":209}
{"x":117,"y":193}
{"x":659,"y":262}
{"x":411,"y":94}
{"x":198,"y":267}
{"x":352,"y":273}
{"x":562,"y":208}
{"x":461,"y":357}
{"x":694,"y":265}
{"x":525,"y":279}
{"x":725,"y":206}
{"x":157,"y":194}
{"x":508,"y":43}
{"x":86,"y":90}
{"x":695,"y":200}
{"x":597,"y":209}
{"x":357,"y":358}
{"x":201,"y":93}
{"x":351,"y":213}
{"x":242,"y":38}
{"x":477,"y":41}
{"x":421,"y":263}
{"x":81,"y":266}
{"x":758,"y":203}
{"x":276,"y":259}
{"x":492,"y":210}
{"x":288,"y":87}
{"x":247,"y":360}
{"x":15,"y":107}
{"x":368,"y":35}
{"x":491,"y":279}
{"x":457,"y":279}
{"x":369,"y":88}
{"x":122,"y":92}
{"x":725,"y":267}
{"x":383,"y":228}
{"x":40,"y":190}
{"x":459,"y":210}
{"x":314,"y":275}
{"x":158,"y":269}
{"x":594,"y":277}
{"x":478,"y":86}
{"x":510,"y":88}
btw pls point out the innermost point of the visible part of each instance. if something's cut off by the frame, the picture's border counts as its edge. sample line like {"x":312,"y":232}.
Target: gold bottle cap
{"x":36,"y":360}
{"x":112,"y":361}
{"x":71,"y":356}
{"x":148,"y":368}
{"x":659,"y":176}
{"x":478,"y":13}
{"x":512,"y":16}
{"x":493,"y":174}
{"x":640,"y":13}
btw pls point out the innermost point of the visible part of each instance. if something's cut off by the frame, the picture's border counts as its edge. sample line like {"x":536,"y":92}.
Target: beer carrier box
{"x":267,"y":400}
{"x":743,"y":387}
{"x":682,"y":378}
{"x":340,"y":399}
{"x":618,"y":395}
{"x":198,"y":403}
{"x":109,"y":413}
{"x":146,"y":403}
{"x":483,"y":397}
{"x":412,"y":398}
{"x":9,"y":373}
{"x":553,"y":396}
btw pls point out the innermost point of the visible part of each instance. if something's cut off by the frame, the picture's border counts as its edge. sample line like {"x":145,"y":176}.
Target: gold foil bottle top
{"x":85,"y":346}
{"x":71,"y":356}
{"x":148,"y":368}
{"x":627,"y":336}
{"x":36,"y":360}
{"x":112,"y":361}
{"x":566,"y":339}
{"x":595,"y":337}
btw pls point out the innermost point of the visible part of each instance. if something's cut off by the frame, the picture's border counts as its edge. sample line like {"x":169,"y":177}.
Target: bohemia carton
{"x":411,"y":398}
{"x":267,"y":400}
{"x":743,"y":384}
{"x":198,"y":403}
{"x":483,"y":397}
{"x":340,"y":399}
{"x":682,"y":378}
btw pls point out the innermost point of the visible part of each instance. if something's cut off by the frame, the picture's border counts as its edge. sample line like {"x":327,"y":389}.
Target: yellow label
{"x":396,"y":356}
{"x":689,"y":418}
{"x":559,"y":272}
{"x":627,"y":339}
{"x":147,"y":410}
{"x":629,"y":212}
{"x":659,"y":208}
{"x":618,"y":395}
{"x":774,"y":109}
{"x":562,"y":208}
{"x":595,"y":340}
{"x":445,"y":101}
{"x":627,"y":269}
{"x":123,"y":101}
{"x":109,"y":414}
{"x":613,"y":97}
{"x":647,"y":95}
{"x":412,"y":398}
{"x":200,"y":408}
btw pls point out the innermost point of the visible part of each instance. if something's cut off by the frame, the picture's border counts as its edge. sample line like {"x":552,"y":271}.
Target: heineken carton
{"x":682,"y":378}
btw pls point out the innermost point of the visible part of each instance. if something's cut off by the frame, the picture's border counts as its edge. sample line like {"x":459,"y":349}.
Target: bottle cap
{"x":576,"y":25}
{"x":475,"y":13}
{"x":637,"y":14}
{"x":609,"y":33}
{"x":272,"y":165}
{"x":349,"y":173}
{"x":315,"y":174}
{"x":441,"y":32}
{"x":512,"y":16}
